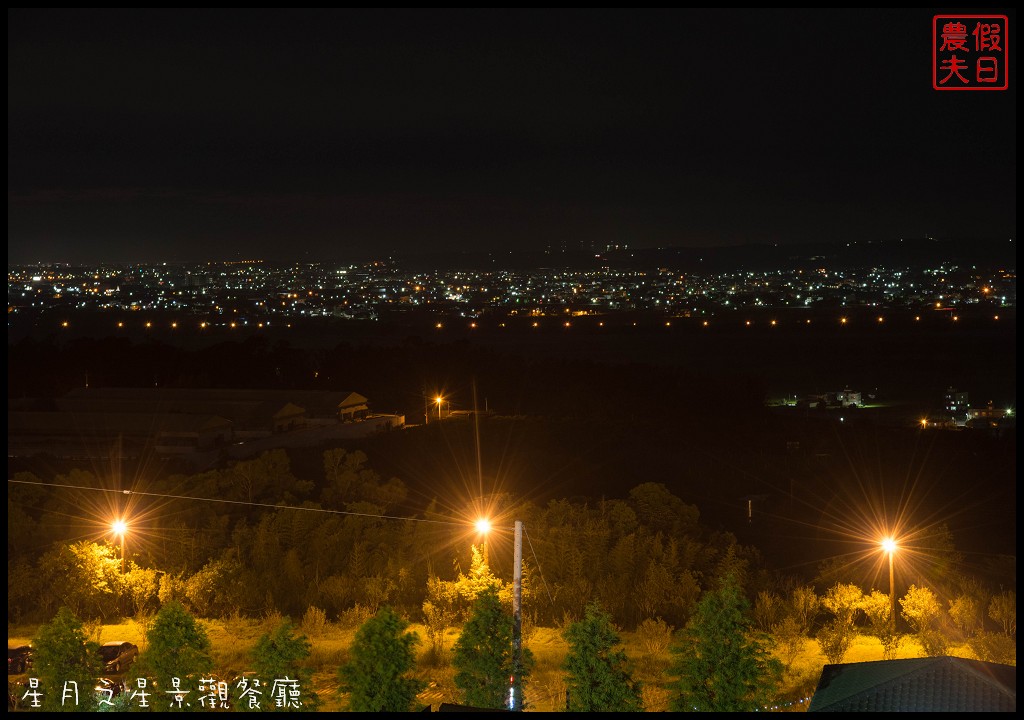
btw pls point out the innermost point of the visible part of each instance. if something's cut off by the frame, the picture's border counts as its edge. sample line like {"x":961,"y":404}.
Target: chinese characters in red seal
{"x":969,"y":52}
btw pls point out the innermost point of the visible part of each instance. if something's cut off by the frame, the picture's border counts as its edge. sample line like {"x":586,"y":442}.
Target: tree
{"x":278,"y":655}
{"x":1003,"y":609}
{"x":922,"y":610}
{"x":720,"y":665}
{"x":878,"y":608}
{"x":66,"y":663}
{"x":965,"y":612}
{"x":599,"y":679}
{"x":804,"y":605}
{"x":483,"y":657}
{"x":376,"y":677}
{"x":843,"y":601}
{"x":85,"y":576}
{"x":177,"y":647}
{"x":835,"y":637}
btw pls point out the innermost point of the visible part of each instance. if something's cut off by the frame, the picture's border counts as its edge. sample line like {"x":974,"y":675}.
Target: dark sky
{"x":320,"y":135}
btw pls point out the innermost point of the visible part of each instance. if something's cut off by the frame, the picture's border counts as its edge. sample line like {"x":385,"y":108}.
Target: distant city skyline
{"x":185,"y":135}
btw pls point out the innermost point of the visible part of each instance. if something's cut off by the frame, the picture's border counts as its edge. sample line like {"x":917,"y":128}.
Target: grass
{"x":234,"y":638}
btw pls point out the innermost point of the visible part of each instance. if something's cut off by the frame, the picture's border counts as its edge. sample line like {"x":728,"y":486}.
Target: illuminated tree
{"x":965,"y":612}
{"x":804,"y":606}
{"x":835,"y":637}
{"x":85,"y":576}
{"x":922,"y":610}
{"x":878,"y":608}
{"x":1003,"y":609}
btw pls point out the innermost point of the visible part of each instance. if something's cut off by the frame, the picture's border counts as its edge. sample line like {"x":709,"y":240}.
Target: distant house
{"x":934,"y":684}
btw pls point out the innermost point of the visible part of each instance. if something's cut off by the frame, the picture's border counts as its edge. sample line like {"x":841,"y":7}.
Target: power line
{"x":239,"y":502}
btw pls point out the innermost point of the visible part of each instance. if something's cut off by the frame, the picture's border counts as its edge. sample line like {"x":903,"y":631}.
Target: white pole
{"x":517,"y":613}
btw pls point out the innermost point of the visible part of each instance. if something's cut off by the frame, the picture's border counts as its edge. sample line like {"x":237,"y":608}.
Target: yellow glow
{"x":438,"y":399}
{"x":842,"y":321}
{"x":119,"y":527}
{"x":773,"y":323}
{"x":483,"y":525}
{"x":924,"y":422}
{"x":889,"y":545}
{"x":439,"y":326}
{"x":705,"y":323}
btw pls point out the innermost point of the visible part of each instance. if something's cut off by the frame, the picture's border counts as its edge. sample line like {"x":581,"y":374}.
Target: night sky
{"x":329,"y":135}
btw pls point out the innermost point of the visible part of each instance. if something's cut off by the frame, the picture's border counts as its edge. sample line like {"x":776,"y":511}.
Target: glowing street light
{"x":120,"y":527}
{"x":483,"y":526}
{"x":889,"y":546}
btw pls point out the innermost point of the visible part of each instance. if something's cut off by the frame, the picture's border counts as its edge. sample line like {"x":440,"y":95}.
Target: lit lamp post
{"x":889,"y":545}
{"x":121,"y":528}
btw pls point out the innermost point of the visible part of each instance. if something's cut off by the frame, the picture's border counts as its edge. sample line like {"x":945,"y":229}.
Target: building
{"x":931,"y":684}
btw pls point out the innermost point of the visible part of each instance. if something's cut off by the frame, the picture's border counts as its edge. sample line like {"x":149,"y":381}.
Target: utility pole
{"x":516,"y":699}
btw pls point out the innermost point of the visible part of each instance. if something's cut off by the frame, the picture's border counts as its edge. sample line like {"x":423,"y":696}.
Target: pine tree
{"x":483,"y":656}
{"x":278,"y":655}
{"x":382,"y":656}
{"x":177,"y":646}
{"x":599,"y":675}
{"x":66,"y":663}
{"x":720,"y":665}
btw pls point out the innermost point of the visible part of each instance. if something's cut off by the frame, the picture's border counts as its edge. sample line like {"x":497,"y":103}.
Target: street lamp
{"x":889,"y":546}
{"x":120,"y":527}
{"x":483,"y":526}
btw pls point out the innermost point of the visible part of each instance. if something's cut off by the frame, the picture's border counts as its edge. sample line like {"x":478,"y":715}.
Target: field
{"x":233,"y":639}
